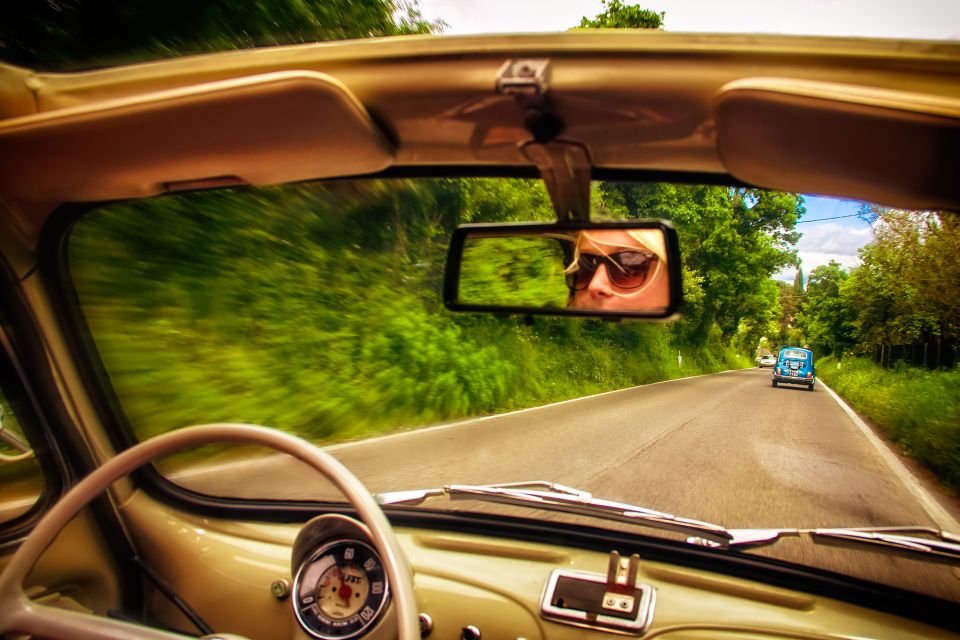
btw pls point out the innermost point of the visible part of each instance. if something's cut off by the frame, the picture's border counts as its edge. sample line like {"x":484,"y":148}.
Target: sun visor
{"x":262,"y":129}
{"x":893,"y":148}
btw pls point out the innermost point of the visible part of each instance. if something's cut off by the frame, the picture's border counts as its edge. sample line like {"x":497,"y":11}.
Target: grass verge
{"x":918,"y":409}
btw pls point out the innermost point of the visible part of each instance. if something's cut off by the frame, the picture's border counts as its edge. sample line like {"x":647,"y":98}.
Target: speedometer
{"x":341,"y":590}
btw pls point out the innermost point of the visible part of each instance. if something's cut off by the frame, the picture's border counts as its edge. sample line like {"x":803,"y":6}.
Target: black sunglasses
{"x":626,"y":269}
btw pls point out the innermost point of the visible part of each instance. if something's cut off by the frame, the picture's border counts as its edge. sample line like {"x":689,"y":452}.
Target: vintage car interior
{"x":113,"y":549}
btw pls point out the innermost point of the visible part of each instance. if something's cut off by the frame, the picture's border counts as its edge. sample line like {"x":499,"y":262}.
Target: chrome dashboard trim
{"x":624,"y":626}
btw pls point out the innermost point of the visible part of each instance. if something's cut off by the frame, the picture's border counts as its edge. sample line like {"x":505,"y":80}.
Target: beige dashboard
{"x":229,"y":572}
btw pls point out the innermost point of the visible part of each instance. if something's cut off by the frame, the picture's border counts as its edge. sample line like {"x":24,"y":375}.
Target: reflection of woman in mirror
{"x":619,"y":270}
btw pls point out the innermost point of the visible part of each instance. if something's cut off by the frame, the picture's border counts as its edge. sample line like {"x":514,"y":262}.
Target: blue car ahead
{"x":795,"y":366}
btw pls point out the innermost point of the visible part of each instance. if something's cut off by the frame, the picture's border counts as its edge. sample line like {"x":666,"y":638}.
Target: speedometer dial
{"x":341,"y":590}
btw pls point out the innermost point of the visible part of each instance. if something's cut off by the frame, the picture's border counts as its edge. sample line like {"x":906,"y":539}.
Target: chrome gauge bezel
{"x":309,"y":614}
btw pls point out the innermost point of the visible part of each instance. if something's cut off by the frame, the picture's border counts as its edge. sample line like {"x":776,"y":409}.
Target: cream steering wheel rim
{"x":19,"y":615}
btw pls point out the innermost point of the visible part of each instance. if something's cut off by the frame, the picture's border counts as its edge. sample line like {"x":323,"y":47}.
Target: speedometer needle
{"x":345,"y":592}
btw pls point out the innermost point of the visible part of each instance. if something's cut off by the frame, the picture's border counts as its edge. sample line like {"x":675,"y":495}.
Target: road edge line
{"x":195,"y":470}
{"x":934,"y":509}
{"x":466,"y":421}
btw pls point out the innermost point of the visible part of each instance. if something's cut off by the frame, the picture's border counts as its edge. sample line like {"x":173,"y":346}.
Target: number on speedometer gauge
{"x":341,"y":590}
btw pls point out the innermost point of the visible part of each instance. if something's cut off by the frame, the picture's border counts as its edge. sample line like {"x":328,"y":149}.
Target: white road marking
{"x":937,"y":513}
{"x":440,"y":427}
{"x":199,"y":470}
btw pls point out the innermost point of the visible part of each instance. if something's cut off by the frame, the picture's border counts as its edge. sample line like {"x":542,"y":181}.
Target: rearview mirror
{"x":622,"y":269}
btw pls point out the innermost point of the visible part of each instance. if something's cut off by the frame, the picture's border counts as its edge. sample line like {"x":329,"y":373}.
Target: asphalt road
{"x":725,"y":448}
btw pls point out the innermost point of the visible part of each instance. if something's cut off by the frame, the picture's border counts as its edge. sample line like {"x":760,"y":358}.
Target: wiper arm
{"x":944,"y":547}
{"x":940,"y":546}
{"x":557,"y":497}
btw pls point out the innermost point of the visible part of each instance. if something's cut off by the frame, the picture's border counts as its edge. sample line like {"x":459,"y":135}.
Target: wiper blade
{"x":557,"y":497}
{"x":944,"y":547}
{"x":939,"y":546}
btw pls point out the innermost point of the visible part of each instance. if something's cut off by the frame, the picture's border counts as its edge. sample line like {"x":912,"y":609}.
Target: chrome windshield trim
{"x":556,"y":497}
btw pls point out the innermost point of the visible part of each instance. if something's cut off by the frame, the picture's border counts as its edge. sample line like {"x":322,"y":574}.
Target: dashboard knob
{"x":426,"y":625}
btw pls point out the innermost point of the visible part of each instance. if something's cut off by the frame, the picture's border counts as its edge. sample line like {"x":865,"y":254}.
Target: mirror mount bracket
{"x":565,"y":170}
{"x":564,"y":166}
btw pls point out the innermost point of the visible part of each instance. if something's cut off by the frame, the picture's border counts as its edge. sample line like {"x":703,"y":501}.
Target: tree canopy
{"x":823,"y":318}
{"x":732,"y":240}
{"x":622,"y":16}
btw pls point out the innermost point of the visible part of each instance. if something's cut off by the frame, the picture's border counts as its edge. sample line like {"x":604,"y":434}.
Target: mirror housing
{"x":609,"y":270}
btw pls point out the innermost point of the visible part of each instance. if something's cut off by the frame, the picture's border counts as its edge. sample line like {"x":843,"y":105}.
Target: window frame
{"x":19,"y":380}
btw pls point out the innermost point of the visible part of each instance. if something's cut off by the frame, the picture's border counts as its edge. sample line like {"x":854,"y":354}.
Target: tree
{"x":823,"y":317}
{"x":72,"y":34}
{"x":789,"y":299}
{"x":798,"y":283}
{"x":760,"y":321}
{"x":907,"y":287}
{"x":620,"y":16}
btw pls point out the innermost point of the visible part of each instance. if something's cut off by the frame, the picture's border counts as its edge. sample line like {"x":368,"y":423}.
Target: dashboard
{"x":322,"y":581}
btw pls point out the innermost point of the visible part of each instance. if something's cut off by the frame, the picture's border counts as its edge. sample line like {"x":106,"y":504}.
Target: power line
{"x":852,"y":215}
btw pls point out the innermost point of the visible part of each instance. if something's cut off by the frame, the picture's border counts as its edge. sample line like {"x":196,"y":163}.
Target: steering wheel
{"x":18,"y":615}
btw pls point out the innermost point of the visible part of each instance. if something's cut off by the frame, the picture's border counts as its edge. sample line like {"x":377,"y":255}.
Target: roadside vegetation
{"x":316,"y":308}
{"x":918,"y":409}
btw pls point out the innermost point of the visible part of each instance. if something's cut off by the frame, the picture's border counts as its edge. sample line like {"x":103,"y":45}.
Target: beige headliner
{"x":877,"y":120}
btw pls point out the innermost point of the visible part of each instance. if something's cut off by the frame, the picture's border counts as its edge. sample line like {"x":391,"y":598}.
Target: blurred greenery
{"x":918,"y":409}
{"x":80,"y":34}
{"x":315,"y":308}
{"x":22,"y":478}
{"x":519,"y":271}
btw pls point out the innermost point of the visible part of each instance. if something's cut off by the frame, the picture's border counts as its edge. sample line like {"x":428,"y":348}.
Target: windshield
{"x":316,"y":309}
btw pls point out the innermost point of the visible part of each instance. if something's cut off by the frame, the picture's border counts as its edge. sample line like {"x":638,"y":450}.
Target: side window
{"x":21,"y":478}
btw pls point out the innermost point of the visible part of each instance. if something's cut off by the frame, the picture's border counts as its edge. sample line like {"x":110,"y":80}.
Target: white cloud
{"x":833,"y":238}
{"x":937,"y":19}
{"x":828,"y":241}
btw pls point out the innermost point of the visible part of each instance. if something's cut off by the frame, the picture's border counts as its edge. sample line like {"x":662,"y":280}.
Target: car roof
{"x":877,"y":120}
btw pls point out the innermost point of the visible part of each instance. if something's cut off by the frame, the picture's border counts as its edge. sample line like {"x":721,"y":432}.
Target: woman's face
{"x":625,"y":290}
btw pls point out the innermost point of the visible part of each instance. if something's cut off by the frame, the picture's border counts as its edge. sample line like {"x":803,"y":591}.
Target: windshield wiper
{"x":557,"y":497}
{"x":939,"y":546}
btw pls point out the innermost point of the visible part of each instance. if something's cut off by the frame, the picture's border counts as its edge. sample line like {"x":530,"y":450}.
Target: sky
{"x":922,"y":19}
{"x":925,"y":19}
